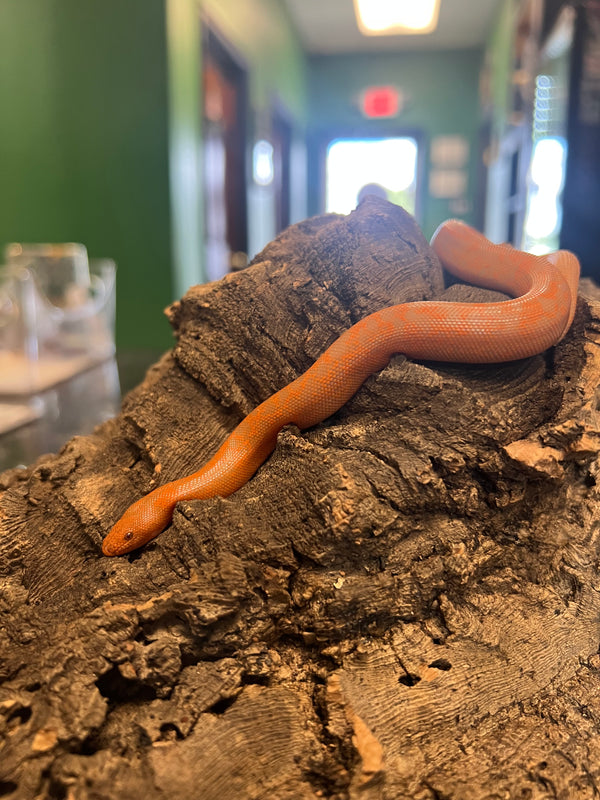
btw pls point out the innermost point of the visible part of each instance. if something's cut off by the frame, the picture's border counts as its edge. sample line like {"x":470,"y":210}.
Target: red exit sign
{"x":380,"y":102}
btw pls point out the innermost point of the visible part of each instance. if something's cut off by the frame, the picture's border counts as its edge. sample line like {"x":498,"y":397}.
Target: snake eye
{"x":128,"y":536}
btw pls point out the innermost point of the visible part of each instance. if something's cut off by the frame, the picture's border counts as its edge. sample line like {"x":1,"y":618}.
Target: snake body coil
{"x":545,"y":292}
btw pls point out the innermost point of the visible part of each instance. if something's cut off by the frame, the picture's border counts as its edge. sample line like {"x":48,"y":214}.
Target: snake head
{"x":142,"y":521}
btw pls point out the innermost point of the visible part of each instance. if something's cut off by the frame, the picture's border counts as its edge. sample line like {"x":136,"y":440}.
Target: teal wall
{"x":441,"y":90}
{"x":83,"y":143}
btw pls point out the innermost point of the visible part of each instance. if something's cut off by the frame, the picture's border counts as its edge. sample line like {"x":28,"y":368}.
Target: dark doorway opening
{"x":225,"y":104}
{"x":281,"y":133}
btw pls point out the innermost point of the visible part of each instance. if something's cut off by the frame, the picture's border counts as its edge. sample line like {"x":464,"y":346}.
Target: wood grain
{"x":403,"y":603}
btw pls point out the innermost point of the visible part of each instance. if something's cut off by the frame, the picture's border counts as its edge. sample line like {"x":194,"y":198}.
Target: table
{"x":73,"y":407}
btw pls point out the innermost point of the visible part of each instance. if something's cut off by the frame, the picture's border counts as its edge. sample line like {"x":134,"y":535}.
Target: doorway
{"x":225,"y":101}
{"x":385,"y":166}
{"x":281,"y":136}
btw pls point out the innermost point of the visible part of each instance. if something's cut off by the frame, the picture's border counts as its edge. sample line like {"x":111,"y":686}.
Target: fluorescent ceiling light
{"x":388,"y":17}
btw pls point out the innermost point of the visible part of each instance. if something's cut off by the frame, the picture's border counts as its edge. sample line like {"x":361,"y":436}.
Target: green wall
{"x":100,"y":135}
{"x":83,"y":143}
{"x":100,"y":131}
{"x":441,"y":90}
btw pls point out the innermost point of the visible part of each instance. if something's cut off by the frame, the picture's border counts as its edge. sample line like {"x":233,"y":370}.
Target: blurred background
{"x":174,"y":138}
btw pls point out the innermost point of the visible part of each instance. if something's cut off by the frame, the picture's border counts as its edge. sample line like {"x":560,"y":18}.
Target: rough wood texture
{"x":403,"y":603}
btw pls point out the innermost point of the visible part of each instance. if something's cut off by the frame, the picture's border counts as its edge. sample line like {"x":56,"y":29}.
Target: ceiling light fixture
{"x":388,"y":17}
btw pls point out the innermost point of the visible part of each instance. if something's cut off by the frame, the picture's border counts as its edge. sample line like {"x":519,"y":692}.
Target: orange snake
{"x":545,"y":292}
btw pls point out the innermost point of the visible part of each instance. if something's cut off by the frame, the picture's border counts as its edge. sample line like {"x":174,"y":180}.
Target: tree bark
{"x":402,"y":603}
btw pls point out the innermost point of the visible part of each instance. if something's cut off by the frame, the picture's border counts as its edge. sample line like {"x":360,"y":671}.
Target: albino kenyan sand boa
{"x":545,"y":291}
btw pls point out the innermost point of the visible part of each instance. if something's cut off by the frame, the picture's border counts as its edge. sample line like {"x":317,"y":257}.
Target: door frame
{"x":280,"y":115}
{"x":319,"y":142}
{"x":235,"y":68}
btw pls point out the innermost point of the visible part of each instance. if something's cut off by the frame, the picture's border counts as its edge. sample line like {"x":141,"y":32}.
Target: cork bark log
{"x":402,"y":603}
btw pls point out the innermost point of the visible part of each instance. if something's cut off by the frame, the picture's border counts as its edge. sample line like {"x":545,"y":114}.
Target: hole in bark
{"x":258,"y":590}
{"x":441,"y":663}
{"x":135,"y":555}
{"x":255,"y":680}
{"x":115,"y":687}
{"x":56,"y":790}
{"x":7,"y":787}
{"x":221,"y":706}
{"x":589,"y":480}
{"x":19,"y":716}
{"x":33,"y":687}
{"x":170,"y":732}
{"x":408,"y":679}
{"x":89,"y":745}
